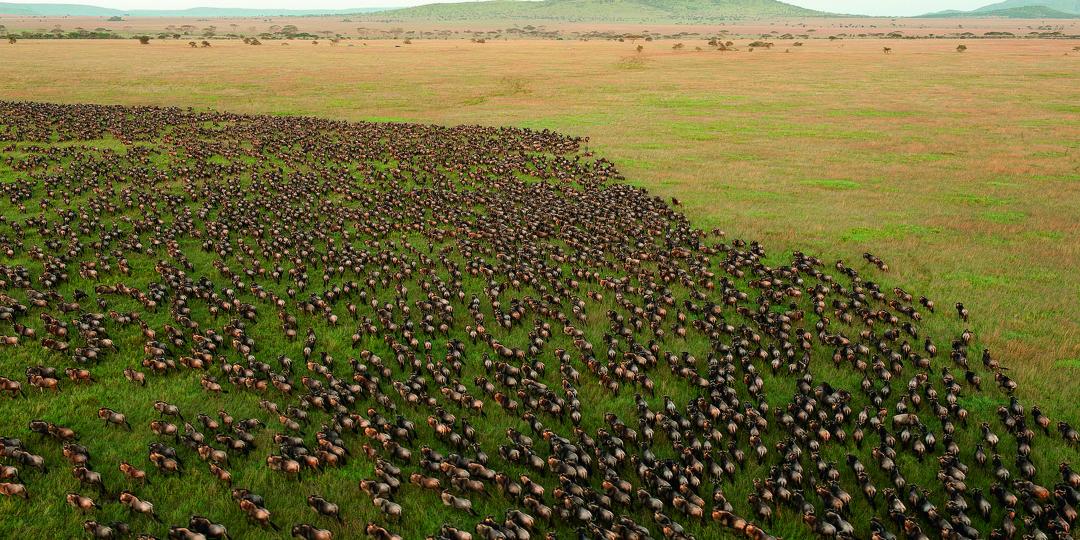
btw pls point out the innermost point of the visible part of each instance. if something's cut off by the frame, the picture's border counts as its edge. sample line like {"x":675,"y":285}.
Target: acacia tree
{"x":144,"y":40}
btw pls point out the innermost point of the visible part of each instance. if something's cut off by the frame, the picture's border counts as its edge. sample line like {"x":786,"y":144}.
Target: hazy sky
{"x":866,"y":7}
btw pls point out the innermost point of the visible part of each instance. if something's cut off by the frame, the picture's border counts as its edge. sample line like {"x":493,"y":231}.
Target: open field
{"x":960,"y":170}
{"x":372,"y":28}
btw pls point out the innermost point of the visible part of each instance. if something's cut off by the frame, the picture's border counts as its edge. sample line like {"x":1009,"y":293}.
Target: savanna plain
{"x":959,"y":170}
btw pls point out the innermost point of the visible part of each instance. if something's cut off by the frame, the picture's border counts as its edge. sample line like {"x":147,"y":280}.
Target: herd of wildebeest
{"x":482,"y":314}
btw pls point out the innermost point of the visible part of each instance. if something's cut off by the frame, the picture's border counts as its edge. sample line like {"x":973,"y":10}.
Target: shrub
{"x":144,"y":40}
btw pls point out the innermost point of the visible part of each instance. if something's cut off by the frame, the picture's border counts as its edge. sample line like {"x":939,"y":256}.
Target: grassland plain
{"x":175,"y":497}
{"x":348,"y":27}
{"x":960,"y":170}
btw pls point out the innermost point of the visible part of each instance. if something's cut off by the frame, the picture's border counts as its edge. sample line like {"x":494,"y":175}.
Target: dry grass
{"x":821,"y":27}
{"x":960,"y":170}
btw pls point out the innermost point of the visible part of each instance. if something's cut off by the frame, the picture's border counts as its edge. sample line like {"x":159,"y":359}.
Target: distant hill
{"x":1065,"y":6}
{"x":80,"y":10}
{"x":1019,"y":9}
{"x":635,"y":11}
{"x":1027,"y":12}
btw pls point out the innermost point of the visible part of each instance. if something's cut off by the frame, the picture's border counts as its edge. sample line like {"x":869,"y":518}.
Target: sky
{"x":861,"y":7}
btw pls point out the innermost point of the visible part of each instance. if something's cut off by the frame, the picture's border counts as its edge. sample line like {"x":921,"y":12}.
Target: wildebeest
{"x":643,"y":363}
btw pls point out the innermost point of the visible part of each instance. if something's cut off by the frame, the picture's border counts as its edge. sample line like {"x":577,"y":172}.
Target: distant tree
{"x":961,"y":48}
{"x":144,"y":40}
{"x":11,"y":40}
{"x":407,"y":41}
{"x":115,"y":18}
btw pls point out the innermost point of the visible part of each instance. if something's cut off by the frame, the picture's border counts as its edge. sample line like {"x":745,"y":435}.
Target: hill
{"x":636,"y":11}
{"x":1024,"y":12}
{"x":1066,"y":6}
{"x":1018,"y":9}
{"x":82,"y":10}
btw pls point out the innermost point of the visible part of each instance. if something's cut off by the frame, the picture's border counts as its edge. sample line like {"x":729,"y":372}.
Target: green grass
{"x":980,"y":280}
{"x":889,"y":232}
{"x":1006,"y":217}
{"x":840,"y":185}
{"x":872,"y":113}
